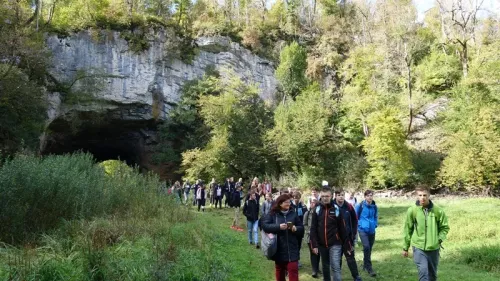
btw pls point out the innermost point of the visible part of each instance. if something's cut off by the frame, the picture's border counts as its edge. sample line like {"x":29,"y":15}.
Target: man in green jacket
{"x":426,"y":227}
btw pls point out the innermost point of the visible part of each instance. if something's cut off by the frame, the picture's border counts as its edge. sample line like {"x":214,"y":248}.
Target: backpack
{"x":269,"y":243}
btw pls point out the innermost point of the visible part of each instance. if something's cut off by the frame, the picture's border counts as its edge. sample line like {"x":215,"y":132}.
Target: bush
{"x":37,"y":193}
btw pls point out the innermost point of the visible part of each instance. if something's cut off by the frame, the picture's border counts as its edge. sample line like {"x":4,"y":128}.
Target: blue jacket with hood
{"x":368,"y":218}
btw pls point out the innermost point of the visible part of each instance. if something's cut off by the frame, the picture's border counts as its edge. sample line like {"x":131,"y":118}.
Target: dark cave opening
{"x":122,"y":140}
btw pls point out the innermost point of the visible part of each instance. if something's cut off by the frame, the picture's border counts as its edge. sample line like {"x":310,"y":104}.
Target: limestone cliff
{"x":131,"y":91}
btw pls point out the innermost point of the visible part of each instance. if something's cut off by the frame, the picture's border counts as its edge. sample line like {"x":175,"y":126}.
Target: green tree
{"x":388,"y":156}
{"x":23,"y":62}
{"x":184,"y":127}
{"x":238,"y":120}
{"x":472,"y":127}
{"x":302,"y":135}
{"x":291,"y":70}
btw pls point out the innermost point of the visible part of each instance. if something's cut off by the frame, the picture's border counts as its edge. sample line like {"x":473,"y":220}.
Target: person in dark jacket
{"x":251,"y":211}
{"x":195,"y":190}
{"x":367,"y":212}
{"x":235,"y":202}
{"x":351,"y":222}
{"x":201,"y":197}
{"x":218,"y":193}
{"x":288,"y":227}
{"x":228,"y":192}
{"x":328,"y":235}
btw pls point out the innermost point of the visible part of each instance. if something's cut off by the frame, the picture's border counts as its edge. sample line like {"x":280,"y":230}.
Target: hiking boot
{"x":370,"y":271}
{"x":314,"y":275}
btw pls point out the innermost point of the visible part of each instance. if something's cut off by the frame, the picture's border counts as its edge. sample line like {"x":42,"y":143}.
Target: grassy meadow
{"x":126,"y":228}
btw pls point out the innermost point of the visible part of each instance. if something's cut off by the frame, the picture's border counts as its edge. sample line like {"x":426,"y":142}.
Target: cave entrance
{"x":116,"y":139}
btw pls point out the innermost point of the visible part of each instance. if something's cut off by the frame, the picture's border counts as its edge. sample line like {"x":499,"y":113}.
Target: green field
{"x":205,"y":248}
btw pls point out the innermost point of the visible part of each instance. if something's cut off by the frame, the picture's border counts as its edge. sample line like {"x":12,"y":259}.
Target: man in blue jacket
{"x":367,"y":223}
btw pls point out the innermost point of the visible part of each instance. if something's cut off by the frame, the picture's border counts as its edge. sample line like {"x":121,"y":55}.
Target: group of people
{"x":332,"y":224}
{"x":329,"y":222}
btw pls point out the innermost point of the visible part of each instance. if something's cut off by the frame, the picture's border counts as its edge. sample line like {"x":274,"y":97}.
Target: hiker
{"x":267,"y":204}
{"x":425,"y":228}
{"x":328,"y":236}
{"x":351,"y":199}
{"x":200,"y":197}
{"x":227,"y":192}
{"x":212,"y":188}
{"x":307,"y":235}
{"x":235,"y":203}
{"x":176,"y":190}
{"x":314,"y":195}
{"x":268,"y":187}
{"x":351,"y":225}
{"x":287,"y":226}
{"x":367,"y":212}
{"x":195,"y":191}
{"x":186,"y":187}
{"x":218,"y":196}
{"x":251,"y":211}
{"x":298,"y":207}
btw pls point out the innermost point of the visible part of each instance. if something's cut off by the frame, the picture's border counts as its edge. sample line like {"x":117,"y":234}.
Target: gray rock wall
{"x":152,"y":77}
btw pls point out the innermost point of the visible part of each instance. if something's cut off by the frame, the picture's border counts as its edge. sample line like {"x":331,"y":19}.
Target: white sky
{"x":489,"y":6}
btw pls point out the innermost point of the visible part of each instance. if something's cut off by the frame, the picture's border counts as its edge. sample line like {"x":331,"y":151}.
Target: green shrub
{"x":38,"y":192}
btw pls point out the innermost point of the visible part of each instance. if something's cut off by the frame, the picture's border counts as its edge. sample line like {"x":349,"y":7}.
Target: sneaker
{"x":257,"y":246}
{"x":314,"y":275}
{"x":358,"y":278}
{"x":251,"y":243}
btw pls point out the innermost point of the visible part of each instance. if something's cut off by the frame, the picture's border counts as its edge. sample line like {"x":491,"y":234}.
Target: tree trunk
{"x":408,"y":68}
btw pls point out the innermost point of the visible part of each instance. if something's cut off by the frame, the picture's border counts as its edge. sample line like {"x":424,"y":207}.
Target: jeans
{"x":367,"y":240}
{"x":427,"y":263}
{"x":253,"y":226}
{"x":282,"y":267}
{"x":330,"y":257}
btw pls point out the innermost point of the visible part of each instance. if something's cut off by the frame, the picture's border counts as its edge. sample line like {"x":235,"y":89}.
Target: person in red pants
{"x":288,"y":227}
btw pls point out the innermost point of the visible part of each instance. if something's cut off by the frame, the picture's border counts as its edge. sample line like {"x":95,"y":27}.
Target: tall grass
{"x":37,"y":193}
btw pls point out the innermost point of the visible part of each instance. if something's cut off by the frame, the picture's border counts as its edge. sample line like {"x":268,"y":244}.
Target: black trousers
{"x":201,"y":202}
{"x":226,"y":200}
{"x":314,"y":260}
{"x":218,"y":200}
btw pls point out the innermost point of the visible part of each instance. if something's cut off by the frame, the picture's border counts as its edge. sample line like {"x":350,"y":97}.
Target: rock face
{"x":130,"y":91}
